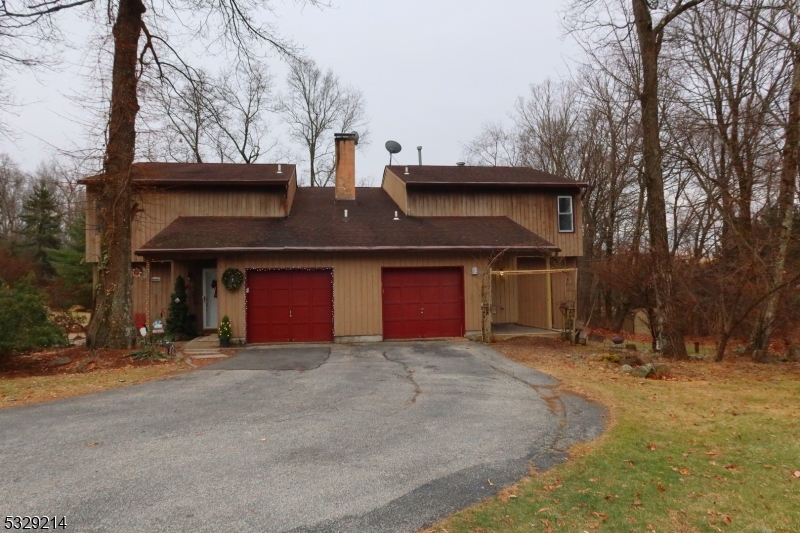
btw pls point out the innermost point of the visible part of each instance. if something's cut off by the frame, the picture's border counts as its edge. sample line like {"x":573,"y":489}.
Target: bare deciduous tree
{"x":13,"y":188}
{"x":650,"y":38}
{"x":494,"y":146}
{"x":315,"y":104}
{"x":786,"y":29}
{"x":633,"y":33}
{"x":238,"y":112}
{"x":179,"y":119}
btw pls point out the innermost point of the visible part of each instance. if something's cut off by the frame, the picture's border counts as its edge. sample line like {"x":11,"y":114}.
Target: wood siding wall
{"x":536,"y":211}
{"x":533,"y":291}
{"x":160,"y":207}
{"x":160,"y":291}
{"x":564,"y":289}
{"x":356,"y":286}
{"x":290,"y":192}
{"x":505,"y":294}
{"x":395,"y":188}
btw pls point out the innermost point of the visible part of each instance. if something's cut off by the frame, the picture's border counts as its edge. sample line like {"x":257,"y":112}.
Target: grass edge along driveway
{"x":713,"y":448}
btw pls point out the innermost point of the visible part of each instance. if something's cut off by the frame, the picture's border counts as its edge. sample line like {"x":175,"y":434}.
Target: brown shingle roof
{"x":206,"y":174}
{"x":317,"y":223}
{"x":481,"y":176}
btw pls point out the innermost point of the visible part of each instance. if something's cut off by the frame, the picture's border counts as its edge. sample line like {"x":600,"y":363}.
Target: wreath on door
{"x":232,"y":279}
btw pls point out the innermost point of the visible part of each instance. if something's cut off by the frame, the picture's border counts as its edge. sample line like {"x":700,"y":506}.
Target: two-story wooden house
{"x":436,"y":251}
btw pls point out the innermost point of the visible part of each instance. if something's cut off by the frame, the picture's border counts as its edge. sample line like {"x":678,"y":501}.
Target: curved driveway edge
{"x":377,"y":437}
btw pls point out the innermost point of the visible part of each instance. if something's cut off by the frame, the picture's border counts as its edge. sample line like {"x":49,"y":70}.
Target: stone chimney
{"x":345,"y":165}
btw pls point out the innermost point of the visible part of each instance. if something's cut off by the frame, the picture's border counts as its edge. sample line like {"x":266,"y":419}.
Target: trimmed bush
{"x":24,"y":323}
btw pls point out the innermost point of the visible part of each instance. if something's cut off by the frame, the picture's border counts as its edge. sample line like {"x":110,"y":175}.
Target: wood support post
{"x":486,"y":314}
{"x":549,"y":293}
{"x":147,"y":296}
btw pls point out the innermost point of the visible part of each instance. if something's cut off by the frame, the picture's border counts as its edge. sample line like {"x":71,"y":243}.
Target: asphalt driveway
{"x":378,"y":437}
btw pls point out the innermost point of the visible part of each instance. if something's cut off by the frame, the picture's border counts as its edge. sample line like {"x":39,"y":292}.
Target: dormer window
{"x":566,"y":220}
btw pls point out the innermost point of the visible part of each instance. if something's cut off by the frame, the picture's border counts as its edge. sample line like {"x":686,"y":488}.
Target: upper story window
{"x":566,"y":219}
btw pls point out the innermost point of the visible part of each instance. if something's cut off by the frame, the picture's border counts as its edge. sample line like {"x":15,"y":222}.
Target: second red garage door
{"x":422,"y":303}
{"x":290,"y":305}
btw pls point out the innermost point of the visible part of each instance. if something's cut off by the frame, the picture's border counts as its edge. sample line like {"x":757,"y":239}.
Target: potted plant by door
{"x":224,"y":332}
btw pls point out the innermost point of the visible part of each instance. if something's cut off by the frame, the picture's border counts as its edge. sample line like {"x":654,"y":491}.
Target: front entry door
{"x":210,"y":298}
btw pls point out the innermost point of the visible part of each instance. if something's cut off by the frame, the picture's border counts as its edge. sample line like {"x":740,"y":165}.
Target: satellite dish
{"x":393,"y":147}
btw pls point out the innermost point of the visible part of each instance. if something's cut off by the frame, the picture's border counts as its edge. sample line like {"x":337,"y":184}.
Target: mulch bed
{"x":71,"y":360}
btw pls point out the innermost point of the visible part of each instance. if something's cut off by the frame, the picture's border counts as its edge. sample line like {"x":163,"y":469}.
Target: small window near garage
{"x":565,"y":217}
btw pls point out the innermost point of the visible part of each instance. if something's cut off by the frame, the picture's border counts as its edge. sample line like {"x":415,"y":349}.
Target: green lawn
{"x":713,"y":449}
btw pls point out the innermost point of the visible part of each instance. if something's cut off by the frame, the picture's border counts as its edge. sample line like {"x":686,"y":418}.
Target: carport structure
{"x":539,"y":293}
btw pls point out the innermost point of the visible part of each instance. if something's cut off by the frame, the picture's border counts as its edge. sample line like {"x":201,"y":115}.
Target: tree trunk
{"x":112,"y":322}
{"x":722,"y":345}
{"x":671,"y":334}
{"x":762,"y":332}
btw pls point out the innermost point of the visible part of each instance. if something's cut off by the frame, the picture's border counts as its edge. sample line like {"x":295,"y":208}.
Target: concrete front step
{"x":208,"y":356}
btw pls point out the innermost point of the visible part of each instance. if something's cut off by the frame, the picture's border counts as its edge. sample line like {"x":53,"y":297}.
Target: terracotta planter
{"x":225,"y":343}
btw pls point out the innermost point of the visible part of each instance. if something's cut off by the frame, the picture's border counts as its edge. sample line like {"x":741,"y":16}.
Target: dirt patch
{"x":64,"y":372}
{"x":72,"y":360}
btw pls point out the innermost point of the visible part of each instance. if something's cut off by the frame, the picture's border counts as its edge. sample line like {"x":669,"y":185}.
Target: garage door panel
{"x":321,"y":314}
{"x":277,"y":296}
{"x":259,"y":315}
{"x":321,"y":297}
{"x":423,"y":302}
{"x":430,"y":295}
{"x":279,"y":333}
{"x":409,"y":329}
{"x":301,"y":314}
{"x":277,"y":315}
{"x":290,"y":305}
{"x":392,"y":311}
{"x":450,"y":309}
{"x":450,"y":293}
{"x":320,"y":333}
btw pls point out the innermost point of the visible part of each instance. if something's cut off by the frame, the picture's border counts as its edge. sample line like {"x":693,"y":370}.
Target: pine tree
{"x":70,"y":264}
{"x":41,"y":224}
{"x":179,"y":326}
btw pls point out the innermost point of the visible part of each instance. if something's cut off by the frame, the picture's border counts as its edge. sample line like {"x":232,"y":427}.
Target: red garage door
{"x":423,"y":302}
{"x":289,"y":305}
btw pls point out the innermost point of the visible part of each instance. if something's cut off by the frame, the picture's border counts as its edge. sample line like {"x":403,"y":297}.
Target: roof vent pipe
{"x":345,"y":214}
{"x":406,"y":172}
{"x":395,"y":216}
{"x":419,"y":153}
{"x":279,"y":170}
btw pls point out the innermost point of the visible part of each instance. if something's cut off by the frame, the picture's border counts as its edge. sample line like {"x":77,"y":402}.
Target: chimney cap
{"x":460,"y":164}
{"x":346,"y":136}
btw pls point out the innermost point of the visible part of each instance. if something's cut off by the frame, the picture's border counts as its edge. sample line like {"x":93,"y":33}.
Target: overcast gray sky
{"x":431,"y":71}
